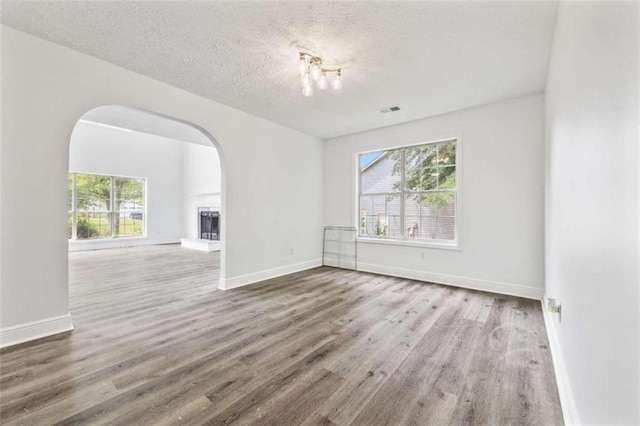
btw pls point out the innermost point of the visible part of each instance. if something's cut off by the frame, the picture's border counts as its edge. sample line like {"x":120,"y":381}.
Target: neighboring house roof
{"x":378,"y":177}
{"x":375,"y":160}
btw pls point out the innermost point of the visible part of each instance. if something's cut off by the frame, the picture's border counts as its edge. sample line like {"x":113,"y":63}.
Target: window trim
{"x":411,"y":242}
{"x":74,"y":211}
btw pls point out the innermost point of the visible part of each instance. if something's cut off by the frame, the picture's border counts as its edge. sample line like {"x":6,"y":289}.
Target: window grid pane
{"x":447,"y":153}
{"x":383,"y":173}
{"x":430,"y":216}
{"x":421,"y":172}
{"x":129,"y":207}
{"x":69,"y":224}
{"x":93,"y":193}
{"x":380,"y":216}
{"x":93,"y":225}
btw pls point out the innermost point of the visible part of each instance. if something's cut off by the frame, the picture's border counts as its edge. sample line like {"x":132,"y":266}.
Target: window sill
{"x":411,"y":243}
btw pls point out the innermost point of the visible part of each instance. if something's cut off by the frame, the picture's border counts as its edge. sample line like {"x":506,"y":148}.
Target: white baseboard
{"x":10,"y":336}
{"x":81,"y":245}
{"x":453,"y":280}
{"x":242,"y":280}
{"x":569,"y":410}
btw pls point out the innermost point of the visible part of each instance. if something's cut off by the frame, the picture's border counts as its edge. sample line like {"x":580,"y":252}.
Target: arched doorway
{"x":159,"y":180}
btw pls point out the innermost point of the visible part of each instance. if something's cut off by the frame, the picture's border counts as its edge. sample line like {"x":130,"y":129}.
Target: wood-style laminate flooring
{"x":155,"y":343}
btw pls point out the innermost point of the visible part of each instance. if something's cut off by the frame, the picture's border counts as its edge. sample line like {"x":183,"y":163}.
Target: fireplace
{"x":208,"y":224}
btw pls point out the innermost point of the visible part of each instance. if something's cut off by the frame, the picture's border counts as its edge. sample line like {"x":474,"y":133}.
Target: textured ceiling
{"x":427,"y":57}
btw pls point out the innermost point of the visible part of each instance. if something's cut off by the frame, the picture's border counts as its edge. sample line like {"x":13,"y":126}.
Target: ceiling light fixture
{"x":310,"y":70}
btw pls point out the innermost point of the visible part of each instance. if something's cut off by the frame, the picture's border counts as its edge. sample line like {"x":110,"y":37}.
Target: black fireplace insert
{"x":209,"y":225}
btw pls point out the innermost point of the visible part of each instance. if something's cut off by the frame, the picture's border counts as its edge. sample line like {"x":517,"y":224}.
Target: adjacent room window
{"x":409,"y":193}
{"x":105,"y":206}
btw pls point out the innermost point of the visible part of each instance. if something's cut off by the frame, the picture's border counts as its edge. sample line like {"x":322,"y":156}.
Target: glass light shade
{"x":302,"y":66}
{"x":306,"y":80}
{"x":337,"y":82}
{"x":322,"y":81}
{"x":307,"y":90}
{"x":315,"y":70}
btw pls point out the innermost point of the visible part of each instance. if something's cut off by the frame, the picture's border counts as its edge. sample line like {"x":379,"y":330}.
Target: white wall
{"x":110,"y":151}
{"x":592,"y":210}
{"x":267,"y":168}
{"x":201,"y":184}
{"x":501,"y":168}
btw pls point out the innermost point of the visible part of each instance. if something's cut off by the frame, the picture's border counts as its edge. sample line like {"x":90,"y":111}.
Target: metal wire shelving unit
{"x":340,"y":247}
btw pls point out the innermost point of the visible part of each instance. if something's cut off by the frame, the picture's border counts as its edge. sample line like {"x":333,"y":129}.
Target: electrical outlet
{"x":422,"y":255}
{"x":554,"y":307}
{"x":291,"y":251}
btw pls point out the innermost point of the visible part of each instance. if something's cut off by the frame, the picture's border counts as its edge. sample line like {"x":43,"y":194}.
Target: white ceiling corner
{"x":427,"y":57}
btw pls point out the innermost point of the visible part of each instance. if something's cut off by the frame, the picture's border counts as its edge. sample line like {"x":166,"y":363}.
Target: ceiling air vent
{"x":390,"y":109}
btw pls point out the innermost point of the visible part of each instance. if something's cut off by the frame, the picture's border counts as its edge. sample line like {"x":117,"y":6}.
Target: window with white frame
{"x":105,"y":206}
{"x":409,"y":193}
